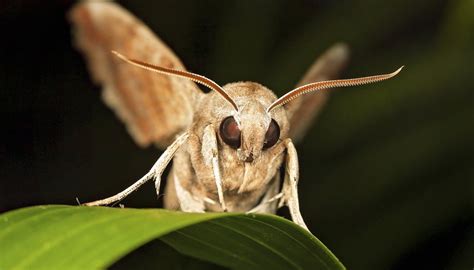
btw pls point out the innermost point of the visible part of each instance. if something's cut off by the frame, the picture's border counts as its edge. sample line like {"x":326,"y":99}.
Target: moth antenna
{"x":311,"y":87}
{"x":182,"y":74}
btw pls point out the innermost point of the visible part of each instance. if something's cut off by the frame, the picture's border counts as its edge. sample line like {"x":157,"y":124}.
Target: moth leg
{"x":217,"y":177}
{"x":290,"y":189}
{"x":155,"y":172}
{"x":211,"y":157}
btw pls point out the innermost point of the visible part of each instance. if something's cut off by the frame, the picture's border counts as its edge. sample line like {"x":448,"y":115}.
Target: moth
{"x":228,"y":146}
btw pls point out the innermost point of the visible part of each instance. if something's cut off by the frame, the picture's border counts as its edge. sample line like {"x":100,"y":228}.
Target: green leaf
{"x":74,"y":237}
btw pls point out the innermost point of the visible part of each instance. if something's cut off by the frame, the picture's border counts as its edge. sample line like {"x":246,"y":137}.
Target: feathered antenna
{"x":307,"y":88}
{"x":180,"y":73}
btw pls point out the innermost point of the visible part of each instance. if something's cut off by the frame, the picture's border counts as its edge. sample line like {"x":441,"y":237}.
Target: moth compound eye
{"x":230,"y":132}
{"x":272,"y":135}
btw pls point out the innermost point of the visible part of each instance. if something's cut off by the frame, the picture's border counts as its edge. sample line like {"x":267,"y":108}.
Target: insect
{"x":228,"y":145}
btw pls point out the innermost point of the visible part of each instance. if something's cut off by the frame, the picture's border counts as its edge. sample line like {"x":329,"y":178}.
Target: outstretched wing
{"x":153,"y":107}
{"x":303,"y":110}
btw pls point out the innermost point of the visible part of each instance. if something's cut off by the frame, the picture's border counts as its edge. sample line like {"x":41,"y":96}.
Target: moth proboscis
{"x":228,"y":145}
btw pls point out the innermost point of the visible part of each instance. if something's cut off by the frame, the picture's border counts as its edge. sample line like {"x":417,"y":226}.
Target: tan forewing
{"x":303,"y":110}
{"x":153,"y":107}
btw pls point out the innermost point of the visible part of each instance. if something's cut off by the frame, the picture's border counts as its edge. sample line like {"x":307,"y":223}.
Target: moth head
{"x":251,"y":131}
{"x":255,"y":121}
{"x":231,"y":135}
{"x":230,"y":132}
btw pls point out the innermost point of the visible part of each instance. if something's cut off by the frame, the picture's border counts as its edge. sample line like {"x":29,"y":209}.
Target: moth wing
{"x":154,"y":108}
{"x":303,"y":110}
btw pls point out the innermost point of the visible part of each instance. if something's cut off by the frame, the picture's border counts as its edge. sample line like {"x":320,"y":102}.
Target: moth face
{"x":248,"y":142}
{"x":252,"y":130}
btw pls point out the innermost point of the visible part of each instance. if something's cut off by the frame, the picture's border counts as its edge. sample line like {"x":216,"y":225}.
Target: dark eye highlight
{"x":272,"y":135}
{"x":230,"y":132}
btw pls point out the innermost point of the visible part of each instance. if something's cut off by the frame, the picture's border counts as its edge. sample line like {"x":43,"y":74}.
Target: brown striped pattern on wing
{"x":153,"y":107}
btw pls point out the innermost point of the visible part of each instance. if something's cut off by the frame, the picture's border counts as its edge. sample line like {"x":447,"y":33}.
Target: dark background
{"x":386,"y":173}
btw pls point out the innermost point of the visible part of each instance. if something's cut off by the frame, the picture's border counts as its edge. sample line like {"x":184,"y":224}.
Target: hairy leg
{"x":155,"y":172}
{"x":290,"y":185}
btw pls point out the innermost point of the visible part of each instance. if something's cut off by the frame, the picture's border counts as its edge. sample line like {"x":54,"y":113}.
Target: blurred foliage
{"x":388,"y":168}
